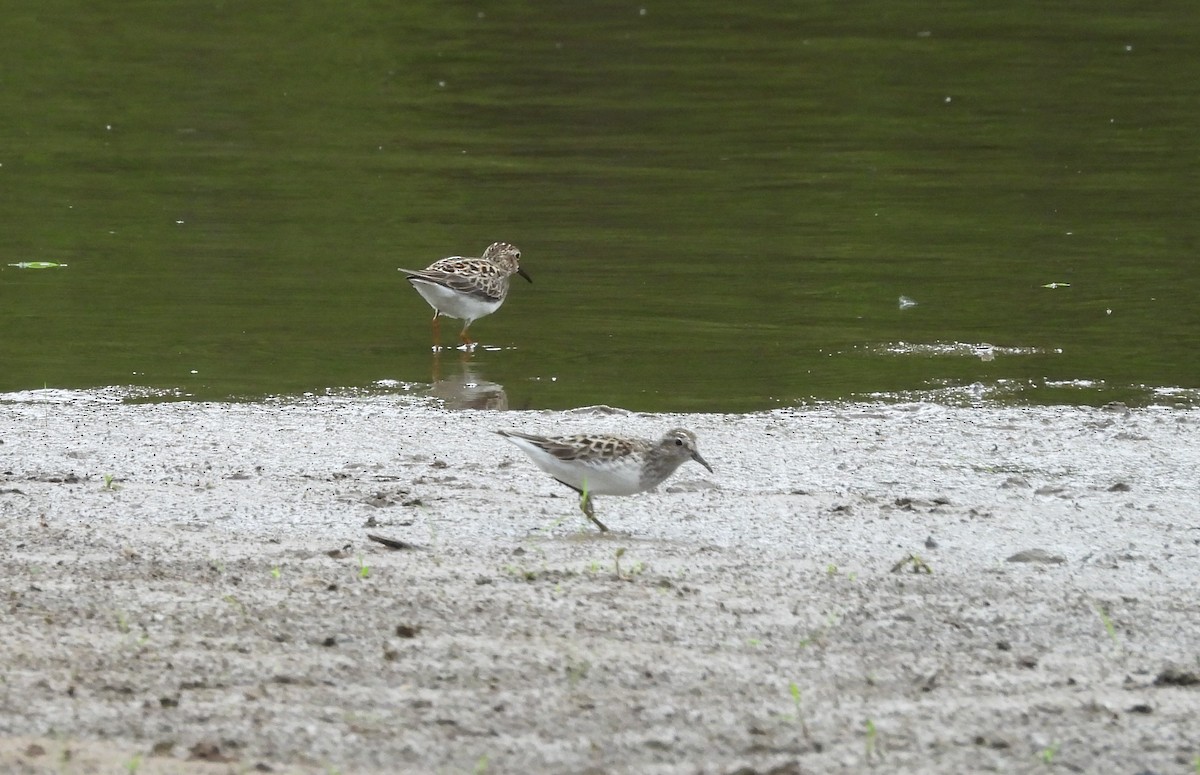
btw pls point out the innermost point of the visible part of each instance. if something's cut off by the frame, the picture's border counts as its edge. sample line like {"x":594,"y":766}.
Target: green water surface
{"x":720,"y":204}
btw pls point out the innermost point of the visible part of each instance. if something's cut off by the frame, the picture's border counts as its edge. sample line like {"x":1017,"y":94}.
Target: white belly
{"x":619,"y":478}
{"x":452,"y":304}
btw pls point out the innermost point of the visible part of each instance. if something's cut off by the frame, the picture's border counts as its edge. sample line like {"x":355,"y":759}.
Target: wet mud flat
{"x":912,"y":588}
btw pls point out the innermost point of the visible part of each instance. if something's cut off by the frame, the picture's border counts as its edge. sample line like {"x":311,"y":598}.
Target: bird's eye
{"x":679,"y":442}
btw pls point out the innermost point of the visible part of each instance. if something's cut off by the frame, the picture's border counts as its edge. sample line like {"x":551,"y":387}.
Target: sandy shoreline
{"x":194,"y":580}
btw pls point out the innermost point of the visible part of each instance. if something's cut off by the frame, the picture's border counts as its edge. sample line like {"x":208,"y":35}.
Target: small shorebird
{"x":467,"y":288}
{"x":608,"y":465}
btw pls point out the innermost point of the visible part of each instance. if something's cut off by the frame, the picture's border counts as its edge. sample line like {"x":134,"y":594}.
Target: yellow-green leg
{"x":585,"y":505}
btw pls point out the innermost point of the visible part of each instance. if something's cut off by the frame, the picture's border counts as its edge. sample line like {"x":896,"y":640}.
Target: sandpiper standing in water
{"x":467,"y":288}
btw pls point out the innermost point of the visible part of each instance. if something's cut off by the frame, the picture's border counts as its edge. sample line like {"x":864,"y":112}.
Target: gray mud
{"x":190,"y":588}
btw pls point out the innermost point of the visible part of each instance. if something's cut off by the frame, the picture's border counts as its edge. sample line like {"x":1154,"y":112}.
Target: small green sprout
{"x":520,"y":572}
{"x":577,"y":671}
{"x":795,"y":690}
{"x":238,"y":604}
{"x":1048,"y":753}
{"x":872,"y":739}
{"x":363,"y":570}
{"x":1109,"y":626}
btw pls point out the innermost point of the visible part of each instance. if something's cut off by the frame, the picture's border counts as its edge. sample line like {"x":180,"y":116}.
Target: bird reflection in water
{"x":462,"y":387}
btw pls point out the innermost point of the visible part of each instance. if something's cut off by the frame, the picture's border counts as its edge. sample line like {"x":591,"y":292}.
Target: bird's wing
{"x":465,"y":275}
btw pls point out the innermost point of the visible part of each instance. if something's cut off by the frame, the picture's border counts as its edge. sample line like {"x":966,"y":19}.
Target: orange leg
{"x":437,"y":333}
{"x":466,"y":339}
